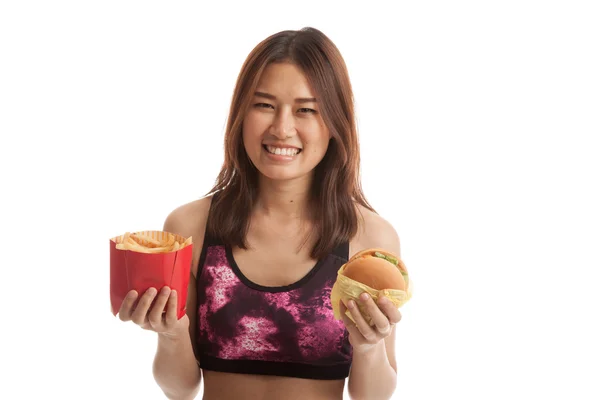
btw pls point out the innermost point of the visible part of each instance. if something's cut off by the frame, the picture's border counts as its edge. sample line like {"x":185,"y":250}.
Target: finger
{"x":141,"y":311}
{"x":171,"y":316}
{"x":127,"y":305}
{"x":389,"y":309}
{"x":382,"y":324}
{"x":361,"y":324}
{"x":351,"y":327}
{"x":156,"y":313}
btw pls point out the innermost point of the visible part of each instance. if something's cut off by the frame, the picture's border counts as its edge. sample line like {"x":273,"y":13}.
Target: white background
{"x":480,"y":115}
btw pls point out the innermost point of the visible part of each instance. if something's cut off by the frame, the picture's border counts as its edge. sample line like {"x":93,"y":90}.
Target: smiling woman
{"x":293,"y":91}
{"x":285,"y":213}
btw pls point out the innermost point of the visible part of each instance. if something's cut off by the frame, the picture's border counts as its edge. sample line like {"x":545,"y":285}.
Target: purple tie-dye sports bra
{"x":290,"y":330}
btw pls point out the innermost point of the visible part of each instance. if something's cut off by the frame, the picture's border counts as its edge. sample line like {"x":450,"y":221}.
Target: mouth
{"x":282,"y":151}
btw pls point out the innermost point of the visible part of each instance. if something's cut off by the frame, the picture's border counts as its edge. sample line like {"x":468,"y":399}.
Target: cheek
{"x":318,"y":140}
{"x":256,"y":121}
{"x":251,"y":133}
{"x":318,"y":148}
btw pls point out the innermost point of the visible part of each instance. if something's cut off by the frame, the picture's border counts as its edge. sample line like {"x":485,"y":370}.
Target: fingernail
{"x":384,"y":301}
{"x":152,"y":291}
{"x":351,"y":304}
{"x":364,"y":297}
{"x":173,"y":293}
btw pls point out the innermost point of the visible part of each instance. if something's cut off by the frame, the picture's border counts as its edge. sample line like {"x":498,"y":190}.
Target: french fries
{"x":163,"y":242}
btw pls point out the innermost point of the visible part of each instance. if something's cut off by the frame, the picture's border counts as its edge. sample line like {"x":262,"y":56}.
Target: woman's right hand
{"x":160,"y":316}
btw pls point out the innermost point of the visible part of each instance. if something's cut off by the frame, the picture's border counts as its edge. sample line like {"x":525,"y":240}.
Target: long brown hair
{"x":336,"y":187}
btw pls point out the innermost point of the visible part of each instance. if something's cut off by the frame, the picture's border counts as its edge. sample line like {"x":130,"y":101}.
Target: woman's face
{"x":283,"y":132}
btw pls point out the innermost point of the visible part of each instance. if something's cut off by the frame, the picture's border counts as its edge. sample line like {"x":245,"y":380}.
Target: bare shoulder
{"x":374,"y":231}
{"x":190,"y":220}
{"x":185,"y":219}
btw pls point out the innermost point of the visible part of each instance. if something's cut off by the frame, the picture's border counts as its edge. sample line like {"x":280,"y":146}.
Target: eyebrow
{"x":298,"y":100}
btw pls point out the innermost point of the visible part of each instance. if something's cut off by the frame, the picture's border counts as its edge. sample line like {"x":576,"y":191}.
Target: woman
{"x":286,"y":212}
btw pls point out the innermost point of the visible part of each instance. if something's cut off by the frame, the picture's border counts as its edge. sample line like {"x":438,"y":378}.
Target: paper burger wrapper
{"x":346,"y":289}
{"x":139,"y":271}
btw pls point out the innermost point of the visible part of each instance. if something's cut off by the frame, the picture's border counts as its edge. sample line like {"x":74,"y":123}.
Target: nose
{"x":283,"y":125}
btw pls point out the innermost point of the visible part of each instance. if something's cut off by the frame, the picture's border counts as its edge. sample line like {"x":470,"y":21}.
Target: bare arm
{"x":175,"y":367}
{"x":373,"y":374}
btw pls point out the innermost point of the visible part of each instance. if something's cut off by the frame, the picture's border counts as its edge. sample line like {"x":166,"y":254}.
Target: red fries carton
{"x":147,"y":259}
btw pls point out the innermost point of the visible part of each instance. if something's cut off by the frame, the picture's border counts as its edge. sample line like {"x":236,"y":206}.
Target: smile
{"x":282,"y":151}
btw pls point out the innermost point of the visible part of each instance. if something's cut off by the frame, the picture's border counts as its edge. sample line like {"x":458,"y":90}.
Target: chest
{"x":278,"y":254}
{"x":275,"y":264}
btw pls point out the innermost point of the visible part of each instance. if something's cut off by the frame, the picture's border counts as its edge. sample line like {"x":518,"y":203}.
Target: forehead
{"x":284,"y":80}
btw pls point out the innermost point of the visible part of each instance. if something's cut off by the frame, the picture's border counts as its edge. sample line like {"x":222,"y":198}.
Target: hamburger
{"x":378,"y":269}
{"x":375,"y":271}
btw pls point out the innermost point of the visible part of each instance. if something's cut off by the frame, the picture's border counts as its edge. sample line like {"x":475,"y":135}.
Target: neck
{"x":284,"y":199}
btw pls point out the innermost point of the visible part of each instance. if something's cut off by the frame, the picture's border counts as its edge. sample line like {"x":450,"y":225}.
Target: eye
{"x":263,"y":105}
{"x":307,"y":111}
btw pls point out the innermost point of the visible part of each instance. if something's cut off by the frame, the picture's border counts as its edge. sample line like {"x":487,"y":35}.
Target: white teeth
{"x":283,"y":151}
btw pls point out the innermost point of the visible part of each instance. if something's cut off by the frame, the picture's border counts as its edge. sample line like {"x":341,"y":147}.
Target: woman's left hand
{"x":384,"y":315}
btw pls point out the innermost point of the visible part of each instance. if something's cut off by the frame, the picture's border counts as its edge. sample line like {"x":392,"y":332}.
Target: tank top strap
{"x":210,"y":240}
{"x":342,"y":250}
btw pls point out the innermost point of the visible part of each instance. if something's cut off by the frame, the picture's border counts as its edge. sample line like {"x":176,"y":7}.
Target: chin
{"x":281,"y":174}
